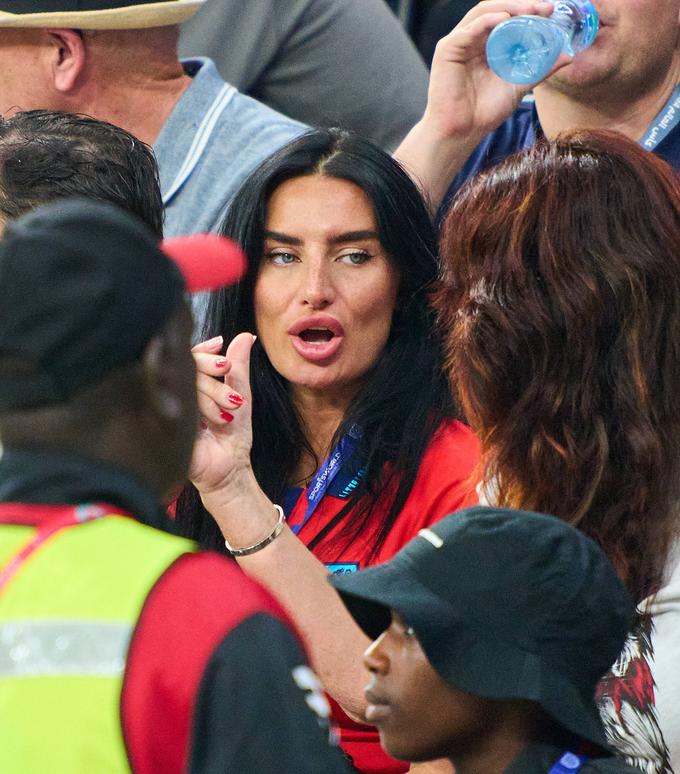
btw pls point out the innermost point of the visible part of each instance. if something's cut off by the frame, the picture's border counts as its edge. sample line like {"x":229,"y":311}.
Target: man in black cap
{"x":122,"y":648}
{"x":492,"y":630}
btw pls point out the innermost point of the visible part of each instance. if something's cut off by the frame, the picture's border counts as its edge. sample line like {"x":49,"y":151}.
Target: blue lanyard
{"x":327,"y":472}
{"x":666,"y":120}
{"x":568,"y":763}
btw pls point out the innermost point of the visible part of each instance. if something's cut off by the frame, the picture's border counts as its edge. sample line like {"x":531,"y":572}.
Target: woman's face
{"x":325,"y":291}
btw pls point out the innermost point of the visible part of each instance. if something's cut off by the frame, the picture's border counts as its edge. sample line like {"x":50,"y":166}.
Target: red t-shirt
{"x":445,"y":483}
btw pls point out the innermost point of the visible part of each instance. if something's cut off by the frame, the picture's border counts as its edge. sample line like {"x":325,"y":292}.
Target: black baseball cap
{"x":506,"y":605}
{"x":84,"y":286}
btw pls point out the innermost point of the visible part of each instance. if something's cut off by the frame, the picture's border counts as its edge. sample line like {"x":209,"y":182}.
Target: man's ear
{"x":159,"y":380}
{"x":67,"y":59}
{"x":169,"y":370}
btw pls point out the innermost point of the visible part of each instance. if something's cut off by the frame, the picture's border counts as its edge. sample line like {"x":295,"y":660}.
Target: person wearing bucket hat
{"x":113,"y":656}
{"x":116,"y":60}
{"x":491,"y":630}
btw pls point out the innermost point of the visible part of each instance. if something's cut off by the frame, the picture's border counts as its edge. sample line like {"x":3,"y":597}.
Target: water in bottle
{"x":523,"y":49}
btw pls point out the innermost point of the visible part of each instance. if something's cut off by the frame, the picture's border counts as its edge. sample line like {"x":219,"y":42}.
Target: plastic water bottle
{"x":523,"y":49}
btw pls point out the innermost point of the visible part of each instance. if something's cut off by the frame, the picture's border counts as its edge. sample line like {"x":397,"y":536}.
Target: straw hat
{"x":96,"y":14}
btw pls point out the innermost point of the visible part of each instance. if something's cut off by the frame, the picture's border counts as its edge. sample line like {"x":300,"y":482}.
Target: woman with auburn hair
{"x":560,"y":302}
{"x":339,"y":414}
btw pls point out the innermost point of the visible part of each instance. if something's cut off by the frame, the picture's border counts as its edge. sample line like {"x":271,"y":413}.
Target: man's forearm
{"x":433,"y":161}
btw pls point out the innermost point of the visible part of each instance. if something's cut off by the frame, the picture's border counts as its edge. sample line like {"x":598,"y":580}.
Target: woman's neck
{"x":321,"y":414}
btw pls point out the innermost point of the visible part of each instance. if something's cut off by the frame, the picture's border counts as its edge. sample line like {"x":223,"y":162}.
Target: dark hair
{"x":48,"y":155}
{"x":560,"y":302}
{"x":405,"y":396}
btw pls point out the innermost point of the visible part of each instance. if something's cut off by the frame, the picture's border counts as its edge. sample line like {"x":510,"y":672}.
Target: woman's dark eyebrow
{"x":349,"y":236}
{"x":277,"y":236}
{"x":354,"y":236}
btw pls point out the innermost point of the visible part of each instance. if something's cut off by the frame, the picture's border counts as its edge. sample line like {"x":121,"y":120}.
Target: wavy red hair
{"x":560,"y":305}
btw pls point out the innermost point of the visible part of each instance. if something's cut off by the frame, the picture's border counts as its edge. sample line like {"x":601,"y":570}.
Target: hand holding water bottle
{"x":464,"y":93}
{"x":466,"y":99}
{"x":524,"y":49}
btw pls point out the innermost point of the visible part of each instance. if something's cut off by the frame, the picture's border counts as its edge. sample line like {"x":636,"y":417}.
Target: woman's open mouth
{"x":316,"y":338}
{"x":317,"y":335}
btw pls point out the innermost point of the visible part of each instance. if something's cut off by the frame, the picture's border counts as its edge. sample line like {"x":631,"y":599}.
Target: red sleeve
{"x":190,"y":610}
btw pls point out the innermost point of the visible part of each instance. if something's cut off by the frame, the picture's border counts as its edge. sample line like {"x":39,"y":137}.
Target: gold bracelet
{"x":258,"y":546}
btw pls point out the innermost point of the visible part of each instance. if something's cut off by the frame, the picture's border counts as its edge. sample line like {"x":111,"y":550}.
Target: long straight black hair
{"x":404,"y":398}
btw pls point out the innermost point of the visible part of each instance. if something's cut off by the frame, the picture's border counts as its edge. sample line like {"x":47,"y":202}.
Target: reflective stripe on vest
{"x":66,"y":620}
{"x":58,"y":648}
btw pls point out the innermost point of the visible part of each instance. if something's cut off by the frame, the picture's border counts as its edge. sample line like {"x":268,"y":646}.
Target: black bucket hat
{"x":506,"y":605}
{"x":96,"y":14}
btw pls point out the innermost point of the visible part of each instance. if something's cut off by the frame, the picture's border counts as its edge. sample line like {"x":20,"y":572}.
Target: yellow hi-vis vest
{"x":66,"y":618}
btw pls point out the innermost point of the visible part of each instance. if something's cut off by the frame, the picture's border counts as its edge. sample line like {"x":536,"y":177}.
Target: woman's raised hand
{"x":224,"y":439}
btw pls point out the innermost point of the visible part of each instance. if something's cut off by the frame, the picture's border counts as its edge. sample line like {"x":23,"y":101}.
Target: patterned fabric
{"x":639,"y":697}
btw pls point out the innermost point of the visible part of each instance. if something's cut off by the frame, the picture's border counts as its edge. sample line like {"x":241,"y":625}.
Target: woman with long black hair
{"x":339,"y":413}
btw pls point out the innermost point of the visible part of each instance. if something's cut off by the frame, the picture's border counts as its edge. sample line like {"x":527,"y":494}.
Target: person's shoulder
{"x":252,"y":109}
{"x":199,"y":606}
{"x":209,"y":145}
{"x":515,"y":133}
{"x":507,"y":138}
{"x":669,"y":148}
{"x":453,"y":438}
{"x":195,"y":581}
{"x":246,"y":133}
{"x":200,"y":599}
{"x":231,"y":113}
{"x":265,"y":129}
{"x":446,"y":478}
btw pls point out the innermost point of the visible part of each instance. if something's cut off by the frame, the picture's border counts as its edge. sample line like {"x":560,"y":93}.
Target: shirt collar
{"x":40,"y":475}
{"x":175,"y":140}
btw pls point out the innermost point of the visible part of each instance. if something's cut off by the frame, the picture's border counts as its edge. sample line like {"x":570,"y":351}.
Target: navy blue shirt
{"x":519,"y":132}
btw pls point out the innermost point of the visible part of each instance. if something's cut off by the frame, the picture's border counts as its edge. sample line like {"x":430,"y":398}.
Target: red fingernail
{"x":220,"y":364}
{"x":235,"y":398}
{"x":226,"y":416}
